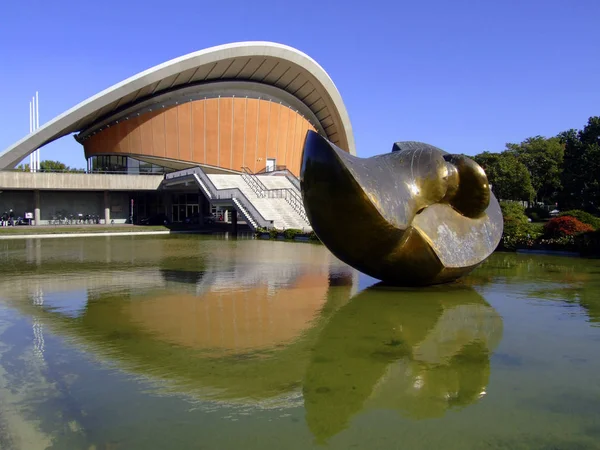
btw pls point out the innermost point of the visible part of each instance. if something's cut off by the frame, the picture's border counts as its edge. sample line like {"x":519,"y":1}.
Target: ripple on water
{"x":187,"y":340}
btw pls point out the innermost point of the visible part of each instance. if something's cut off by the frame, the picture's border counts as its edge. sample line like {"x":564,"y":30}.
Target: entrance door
{"x":191,"y":210}
{"x":270,"y":165}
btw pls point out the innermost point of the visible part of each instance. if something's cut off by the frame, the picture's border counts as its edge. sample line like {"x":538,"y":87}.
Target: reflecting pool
{"x":200,"y":342}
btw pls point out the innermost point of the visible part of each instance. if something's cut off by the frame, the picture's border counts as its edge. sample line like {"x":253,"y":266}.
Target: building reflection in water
{"x":255,"y":327}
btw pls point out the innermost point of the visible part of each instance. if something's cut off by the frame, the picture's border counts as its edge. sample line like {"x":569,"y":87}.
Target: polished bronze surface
{"x":415,"y":216}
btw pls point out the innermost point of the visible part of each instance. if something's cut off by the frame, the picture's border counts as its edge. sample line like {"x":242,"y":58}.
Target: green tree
{"x":543,"y":158}
{"x":508,"y":176}
{"x":581,"y":167}
{"x":51,"y":166}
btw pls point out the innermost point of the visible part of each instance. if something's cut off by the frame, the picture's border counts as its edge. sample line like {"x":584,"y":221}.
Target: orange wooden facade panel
{"x":282,"y":134}
{"x":146,"y":132}
{"x":125,"y":147}
{"x":239,"y":119}
{"x":135,"y":136}
{"x":291,"y":133}
{"x":263,"y":131}
{"x":171,"y":134}
{"x":212,"y":131}
{"x":273,"y":130}
{"x":251,"y":128}
{"x":225,"y":132}
{"x":297,"y":156}
{"x":198,"y":137}
{"x":158,"y":135}
{"x":109,"y":137}
{"x":292,"y":151}
{"x":120,"y":135}
{"x":184,"y":129}
{"x":93,"y":146}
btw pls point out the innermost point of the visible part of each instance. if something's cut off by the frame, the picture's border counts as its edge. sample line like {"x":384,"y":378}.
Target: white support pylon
{"x":37,"y":125}
{"x":31,"y":131}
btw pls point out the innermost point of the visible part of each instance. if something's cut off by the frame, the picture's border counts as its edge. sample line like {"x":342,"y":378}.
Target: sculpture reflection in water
{"x":418,"y":352}
{"x":415,"y":216}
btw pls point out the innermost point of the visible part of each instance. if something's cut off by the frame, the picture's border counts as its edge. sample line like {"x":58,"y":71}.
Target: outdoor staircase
{"x":239,"y":201}
{"x":273,"y":197}
{"x":261,"y":200}
{"x":277,"y":187}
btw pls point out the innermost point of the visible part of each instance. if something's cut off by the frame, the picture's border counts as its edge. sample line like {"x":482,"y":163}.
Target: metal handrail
{"x":254,"y":183}
{"x":245,"y":206}
{"x":288,"y":174}
{"x":293,"y":197}
{"x":274,"y":169}
{"x":248,"y":173}
{"x":292,"y":178}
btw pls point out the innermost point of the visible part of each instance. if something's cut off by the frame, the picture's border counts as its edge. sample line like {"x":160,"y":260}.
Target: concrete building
{"x":239,"y":109}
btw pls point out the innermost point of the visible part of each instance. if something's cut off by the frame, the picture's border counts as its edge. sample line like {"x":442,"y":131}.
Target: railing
{"x":292,"y":196}
{"x":85,"y":172}
{"x":254,"y":183}
{"x":272,"y":169}
{"x":288,"y":174}
{"x":292,"y":178}
{"x":77,"y":219}
{"x":240,"y":201}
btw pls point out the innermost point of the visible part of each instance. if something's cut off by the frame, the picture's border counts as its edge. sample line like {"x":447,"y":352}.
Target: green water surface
{"x":195,"y":342}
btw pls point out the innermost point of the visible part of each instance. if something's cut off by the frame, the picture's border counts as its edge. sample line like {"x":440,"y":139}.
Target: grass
{"x":71,"y":229}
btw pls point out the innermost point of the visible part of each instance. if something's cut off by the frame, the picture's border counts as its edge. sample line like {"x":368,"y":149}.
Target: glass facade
{"x":185,"y":207}
{"x":124,"y":165}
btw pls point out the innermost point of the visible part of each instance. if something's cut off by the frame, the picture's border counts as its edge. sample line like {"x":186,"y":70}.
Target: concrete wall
{"x":61,"y":203}
{"x":78,"y":181}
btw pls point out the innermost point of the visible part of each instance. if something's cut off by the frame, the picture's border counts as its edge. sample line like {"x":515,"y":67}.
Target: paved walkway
{"x":97,"y":234}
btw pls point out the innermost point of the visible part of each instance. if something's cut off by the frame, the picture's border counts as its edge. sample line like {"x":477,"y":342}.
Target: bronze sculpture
{"x":415,"y":216}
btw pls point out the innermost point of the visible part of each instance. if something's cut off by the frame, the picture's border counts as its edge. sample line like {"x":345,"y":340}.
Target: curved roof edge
{"x":75,"y":118}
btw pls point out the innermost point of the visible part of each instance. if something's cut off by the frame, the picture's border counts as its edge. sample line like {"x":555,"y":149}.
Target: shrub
{"x":565,"y":226}
{"x":583,"y":217}
{"x":513,"y":209}
{"x":537,"y":214}
{"x":291,"y":233}
{"x":588,"y":244}
{"x":272,"y":232}
{"x":517,"y":230}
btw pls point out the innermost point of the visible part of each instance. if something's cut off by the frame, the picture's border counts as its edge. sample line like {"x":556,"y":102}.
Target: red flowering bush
{"x":565,"y":226}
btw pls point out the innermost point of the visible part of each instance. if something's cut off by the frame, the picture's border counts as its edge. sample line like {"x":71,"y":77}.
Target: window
{"x":123,"y":164}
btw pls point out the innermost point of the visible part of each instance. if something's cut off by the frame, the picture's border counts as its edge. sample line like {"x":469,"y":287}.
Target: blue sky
{"x":466,"y":76}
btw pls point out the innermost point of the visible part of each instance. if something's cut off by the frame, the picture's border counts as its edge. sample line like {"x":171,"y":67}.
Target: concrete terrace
{"x":17,"y":180}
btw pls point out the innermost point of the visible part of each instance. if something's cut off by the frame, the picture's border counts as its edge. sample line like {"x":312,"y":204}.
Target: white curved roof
{"x":264,"y":62}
